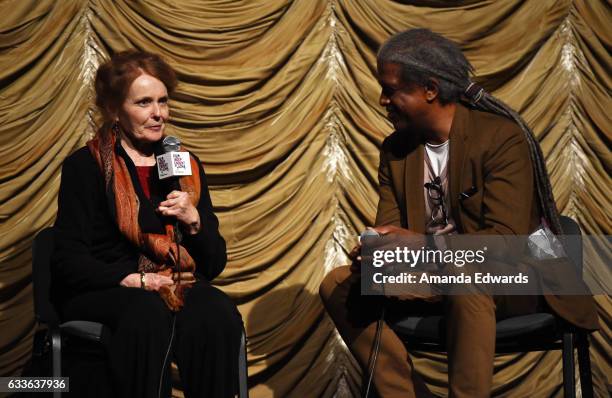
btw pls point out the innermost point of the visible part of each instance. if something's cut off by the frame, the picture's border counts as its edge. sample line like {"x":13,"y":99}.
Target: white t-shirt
{"x":438,"y":156}
{"x":436,"y":166}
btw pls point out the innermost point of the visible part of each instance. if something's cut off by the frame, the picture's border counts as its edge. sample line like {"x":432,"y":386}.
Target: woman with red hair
{"x":117,"y":261}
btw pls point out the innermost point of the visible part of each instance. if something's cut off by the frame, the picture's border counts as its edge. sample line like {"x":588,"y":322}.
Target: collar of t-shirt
{"x":438,"y":157}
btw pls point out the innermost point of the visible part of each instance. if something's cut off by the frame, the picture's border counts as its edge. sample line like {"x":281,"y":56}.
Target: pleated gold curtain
{"x":280,"y":101}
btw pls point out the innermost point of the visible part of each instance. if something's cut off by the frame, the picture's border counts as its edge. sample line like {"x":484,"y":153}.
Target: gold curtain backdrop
{"x":280,"y":101}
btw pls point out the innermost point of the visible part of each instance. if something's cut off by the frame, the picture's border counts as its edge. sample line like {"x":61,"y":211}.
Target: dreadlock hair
{"x":423,"y":54}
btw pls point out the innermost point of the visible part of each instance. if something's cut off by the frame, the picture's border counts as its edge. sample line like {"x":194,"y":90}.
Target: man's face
{"x":406,"y":104}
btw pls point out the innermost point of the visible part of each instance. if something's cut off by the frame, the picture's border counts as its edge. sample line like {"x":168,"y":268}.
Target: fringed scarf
{"x":158,"y":252}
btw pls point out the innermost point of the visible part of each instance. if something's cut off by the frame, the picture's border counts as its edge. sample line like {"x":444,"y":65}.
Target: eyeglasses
{"x":435,"y":192}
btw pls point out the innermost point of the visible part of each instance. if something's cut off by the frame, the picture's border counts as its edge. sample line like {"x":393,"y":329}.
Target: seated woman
{"x":116,"y":261}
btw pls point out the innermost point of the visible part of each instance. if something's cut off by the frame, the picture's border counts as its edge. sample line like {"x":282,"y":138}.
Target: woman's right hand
{"x":153,"y":281}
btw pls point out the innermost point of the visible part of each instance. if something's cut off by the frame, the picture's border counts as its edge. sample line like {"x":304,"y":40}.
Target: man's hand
{"x":178,"y":204}
{"x":415,"y":239}
{"x":355,"y":257}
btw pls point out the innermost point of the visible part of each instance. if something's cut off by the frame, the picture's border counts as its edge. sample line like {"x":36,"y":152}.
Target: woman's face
{"x":144,"y":111}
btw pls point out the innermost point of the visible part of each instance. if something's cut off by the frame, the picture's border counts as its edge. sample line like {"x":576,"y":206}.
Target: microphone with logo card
{"x":171,"y":165}
{"x":173,"y":162}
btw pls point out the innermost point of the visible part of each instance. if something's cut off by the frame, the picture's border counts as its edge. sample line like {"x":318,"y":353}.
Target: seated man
{"x":489,"y":177}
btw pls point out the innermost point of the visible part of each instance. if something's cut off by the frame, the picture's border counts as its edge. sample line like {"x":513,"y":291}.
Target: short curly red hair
{"x":114,"y":78}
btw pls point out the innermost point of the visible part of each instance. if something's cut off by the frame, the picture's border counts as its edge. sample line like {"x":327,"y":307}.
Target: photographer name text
{"x":462,"y":278}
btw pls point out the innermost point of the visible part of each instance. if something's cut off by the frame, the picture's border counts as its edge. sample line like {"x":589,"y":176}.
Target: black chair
{"x":533,"y":332}
{"x":94,"y":332}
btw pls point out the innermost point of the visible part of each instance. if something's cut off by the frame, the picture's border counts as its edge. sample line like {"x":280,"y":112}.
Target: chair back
{"x":42,"y":249}
{"x":572,"y":241}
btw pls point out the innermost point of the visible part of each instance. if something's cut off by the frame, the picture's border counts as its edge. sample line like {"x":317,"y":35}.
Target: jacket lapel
{"x":458,"y":147}
{"x":415,"y":201}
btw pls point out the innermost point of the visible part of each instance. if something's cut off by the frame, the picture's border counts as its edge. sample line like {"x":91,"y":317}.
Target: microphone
{"x":173,"y":163}
{"x":369,"y":232}
{"x":171,"y":144}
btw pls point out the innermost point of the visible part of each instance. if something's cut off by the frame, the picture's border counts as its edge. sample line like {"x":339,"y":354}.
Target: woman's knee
{"x":145,"y":312}
{"x":209,"y":310}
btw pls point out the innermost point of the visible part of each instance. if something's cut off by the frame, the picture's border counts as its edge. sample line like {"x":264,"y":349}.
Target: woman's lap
{"x":207,"y":335}
{"x":203,"y":302}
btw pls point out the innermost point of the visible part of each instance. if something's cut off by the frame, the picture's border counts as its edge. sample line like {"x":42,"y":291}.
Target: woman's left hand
{"x":178,"y":204}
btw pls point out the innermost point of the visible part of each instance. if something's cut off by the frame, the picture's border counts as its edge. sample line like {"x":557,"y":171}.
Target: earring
{"x":115,"y":128}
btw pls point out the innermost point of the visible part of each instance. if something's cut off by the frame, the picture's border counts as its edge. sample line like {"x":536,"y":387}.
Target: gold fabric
{"x":280,"y":101}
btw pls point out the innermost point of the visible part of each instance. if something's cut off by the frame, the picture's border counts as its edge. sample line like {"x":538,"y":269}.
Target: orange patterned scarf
{"x":158,"y":251}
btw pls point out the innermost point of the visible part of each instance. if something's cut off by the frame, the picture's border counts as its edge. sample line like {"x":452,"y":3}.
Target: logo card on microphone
{"x":163,"y":167}
{"x":173,"y":164}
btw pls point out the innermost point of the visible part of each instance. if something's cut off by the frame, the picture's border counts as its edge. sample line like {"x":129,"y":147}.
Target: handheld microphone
{"x":173,"y":163}
{"x":369,"y":232}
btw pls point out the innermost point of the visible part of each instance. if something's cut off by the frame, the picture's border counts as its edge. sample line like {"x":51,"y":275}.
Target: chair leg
{"x":56,"y":355}
{"x":39,"y":343}
{"x":584,"y":364}
{"x":243,"y":389}
{"x":569,"y":384}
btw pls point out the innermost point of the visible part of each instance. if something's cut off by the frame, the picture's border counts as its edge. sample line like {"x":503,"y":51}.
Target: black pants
{"x":205,"y":338}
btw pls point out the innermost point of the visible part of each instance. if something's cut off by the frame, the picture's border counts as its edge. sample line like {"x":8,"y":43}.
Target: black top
{"x":91,"y":253}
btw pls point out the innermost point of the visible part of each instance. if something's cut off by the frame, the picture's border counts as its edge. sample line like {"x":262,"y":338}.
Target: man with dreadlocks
{"x":459,"y":161}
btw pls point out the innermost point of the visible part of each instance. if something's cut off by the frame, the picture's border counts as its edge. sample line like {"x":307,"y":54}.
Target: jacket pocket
{"x":472,"y":205}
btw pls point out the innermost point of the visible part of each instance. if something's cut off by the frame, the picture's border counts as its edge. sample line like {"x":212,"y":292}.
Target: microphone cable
{"x":177,"y":241}
{"x":165,"y":363}
{"x":379,"y":326}
{"x":376,"y":349}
